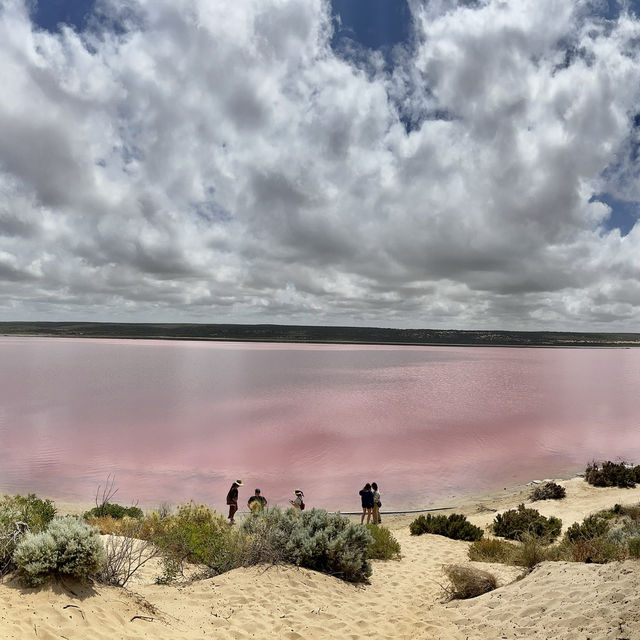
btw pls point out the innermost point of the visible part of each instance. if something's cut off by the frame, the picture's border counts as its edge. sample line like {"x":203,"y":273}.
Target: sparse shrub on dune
{"x":106,"y":525}
{"x":548,"y":491}
{"x":591,"y":527}
{"x":516,"y":523}
{"x":193,"y":534}
{"x":626,"y":530}
{"x":126,"y":553}
{"x":384,"y":545}
{"x":455,"y":526}
{"x":468,"y":582}
{"x":115,"y":511}
{"x":67,"y":547}
{"x":612,"y":474}
{"x":529,"y":552}
{"x":630,"y":511}
{"x":633,"y":544}
{"x":492,"y":550}
{"x":600,"y":549}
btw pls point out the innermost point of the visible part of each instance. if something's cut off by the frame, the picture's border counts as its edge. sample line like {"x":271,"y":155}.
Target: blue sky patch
{"x":50,"y":14}
{"x":374,"y":24}
{"x":623,"y":214}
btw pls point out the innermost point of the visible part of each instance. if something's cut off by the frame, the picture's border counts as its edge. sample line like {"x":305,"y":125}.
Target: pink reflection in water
{"x":180,"y":420}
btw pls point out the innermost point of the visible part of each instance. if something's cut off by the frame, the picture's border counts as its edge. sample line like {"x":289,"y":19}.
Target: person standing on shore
{"x":256,"y":502}
{"x":232,"y":500}
{"x":366,"y":496}
{"x":298,"y":503}
{"x":377,"y":503}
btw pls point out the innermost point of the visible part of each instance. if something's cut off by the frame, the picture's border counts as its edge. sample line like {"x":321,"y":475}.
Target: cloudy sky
{"x":430,"y":163}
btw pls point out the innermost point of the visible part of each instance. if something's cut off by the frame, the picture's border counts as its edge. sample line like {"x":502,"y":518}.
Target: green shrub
{"x":33,"y":511}
{"x":591,"y":527}
{"x":548,"y":491}
{"x":454,"y":526}
{"x":633,"y":545}
{"x":630,"y":511}
{"x":600,"y":549}
{"x":492,"y":550}
{"x":612,"y":474}
{"x":195,"y":534}
{"x":468,"y":582}
{"x":516,"y":523}
{"x":314,"y":539}
{"x":20,"y":515}
{"x":114,"y":511}
{"x":68,"y":546}
{"x":384,"y":545}
{"x":530,"y":552}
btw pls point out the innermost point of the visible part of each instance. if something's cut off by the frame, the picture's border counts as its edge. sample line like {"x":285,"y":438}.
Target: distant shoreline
{"x":296,"y":334}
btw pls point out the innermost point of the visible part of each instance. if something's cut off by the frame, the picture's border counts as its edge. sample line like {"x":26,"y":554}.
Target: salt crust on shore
{"x":404,"y":599}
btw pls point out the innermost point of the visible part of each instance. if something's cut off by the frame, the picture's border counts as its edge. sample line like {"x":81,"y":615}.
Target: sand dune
{"x":403,"y":600}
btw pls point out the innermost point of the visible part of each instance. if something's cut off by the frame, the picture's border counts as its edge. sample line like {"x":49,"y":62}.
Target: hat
{"x":297,"y":491}
{"x":257,"y":490}
{"x":238,"y":482}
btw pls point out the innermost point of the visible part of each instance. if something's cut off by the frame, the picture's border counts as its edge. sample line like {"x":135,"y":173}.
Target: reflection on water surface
{"x":180,"y":420}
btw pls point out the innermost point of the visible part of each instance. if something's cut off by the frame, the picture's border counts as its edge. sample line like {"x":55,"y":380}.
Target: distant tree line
{"x":318,"y":334}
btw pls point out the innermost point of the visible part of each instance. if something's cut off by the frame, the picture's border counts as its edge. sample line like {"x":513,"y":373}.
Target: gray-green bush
{"x":68,"y":547}
{"x":314,"y":539}
{"x":20,"y":515}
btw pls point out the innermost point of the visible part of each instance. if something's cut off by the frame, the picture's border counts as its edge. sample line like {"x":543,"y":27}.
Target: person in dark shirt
{"x":232,"y":500}
{"x":256,"y":502}
{"x":366,"y":496}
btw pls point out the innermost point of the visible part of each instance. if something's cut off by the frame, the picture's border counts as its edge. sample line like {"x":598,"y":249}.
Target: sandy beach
{"x":404,"y":598}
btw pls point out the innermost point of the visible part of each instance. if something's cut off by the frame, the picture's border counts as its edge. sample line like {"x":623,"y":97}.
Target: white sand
{"x":403,"y":600}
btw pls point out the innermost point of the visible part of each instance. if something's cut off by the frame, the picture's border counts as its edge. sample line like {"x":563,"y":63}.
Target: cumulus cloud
{"x":218,"y":161}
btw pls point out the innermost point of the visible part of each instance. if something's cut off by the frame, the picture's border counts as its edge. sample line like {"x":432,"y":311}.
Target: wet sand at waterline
{"x":404,"y":598}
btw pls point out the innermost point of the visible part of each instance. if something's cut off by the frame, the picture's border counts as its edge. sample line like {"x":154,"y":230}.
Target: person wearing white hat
{"x":298,"y":503}
{"x":232,"y":500}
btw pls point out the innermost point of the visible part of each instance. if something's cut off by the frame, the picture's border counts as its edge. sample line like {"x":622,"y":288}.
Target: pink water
{"x":181,"y":420}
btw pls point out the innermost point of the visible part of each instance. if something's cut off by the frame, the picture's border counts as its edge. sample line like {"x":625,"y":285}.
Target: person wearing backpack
{"x":298,"y":503}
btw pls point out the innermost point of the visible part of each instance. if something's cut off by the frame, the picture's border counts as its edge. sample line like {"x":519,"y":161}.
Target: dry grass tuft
{"x":468,"y":582}
{"x":493,"y":550}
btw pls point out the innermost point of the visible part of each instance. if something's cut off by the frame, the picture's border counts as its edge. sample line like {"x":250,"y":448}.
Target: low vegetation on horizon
{"x":319,"y":334}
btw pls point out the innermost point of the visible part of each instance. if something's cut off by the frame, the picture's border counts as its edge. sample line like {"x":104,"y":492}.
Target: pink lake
{"x":179,"y":420}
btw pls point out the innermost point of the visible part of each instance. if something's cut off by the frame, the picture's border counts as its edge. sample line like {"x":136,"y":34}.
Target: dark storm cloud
{"x":217,"y":160}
